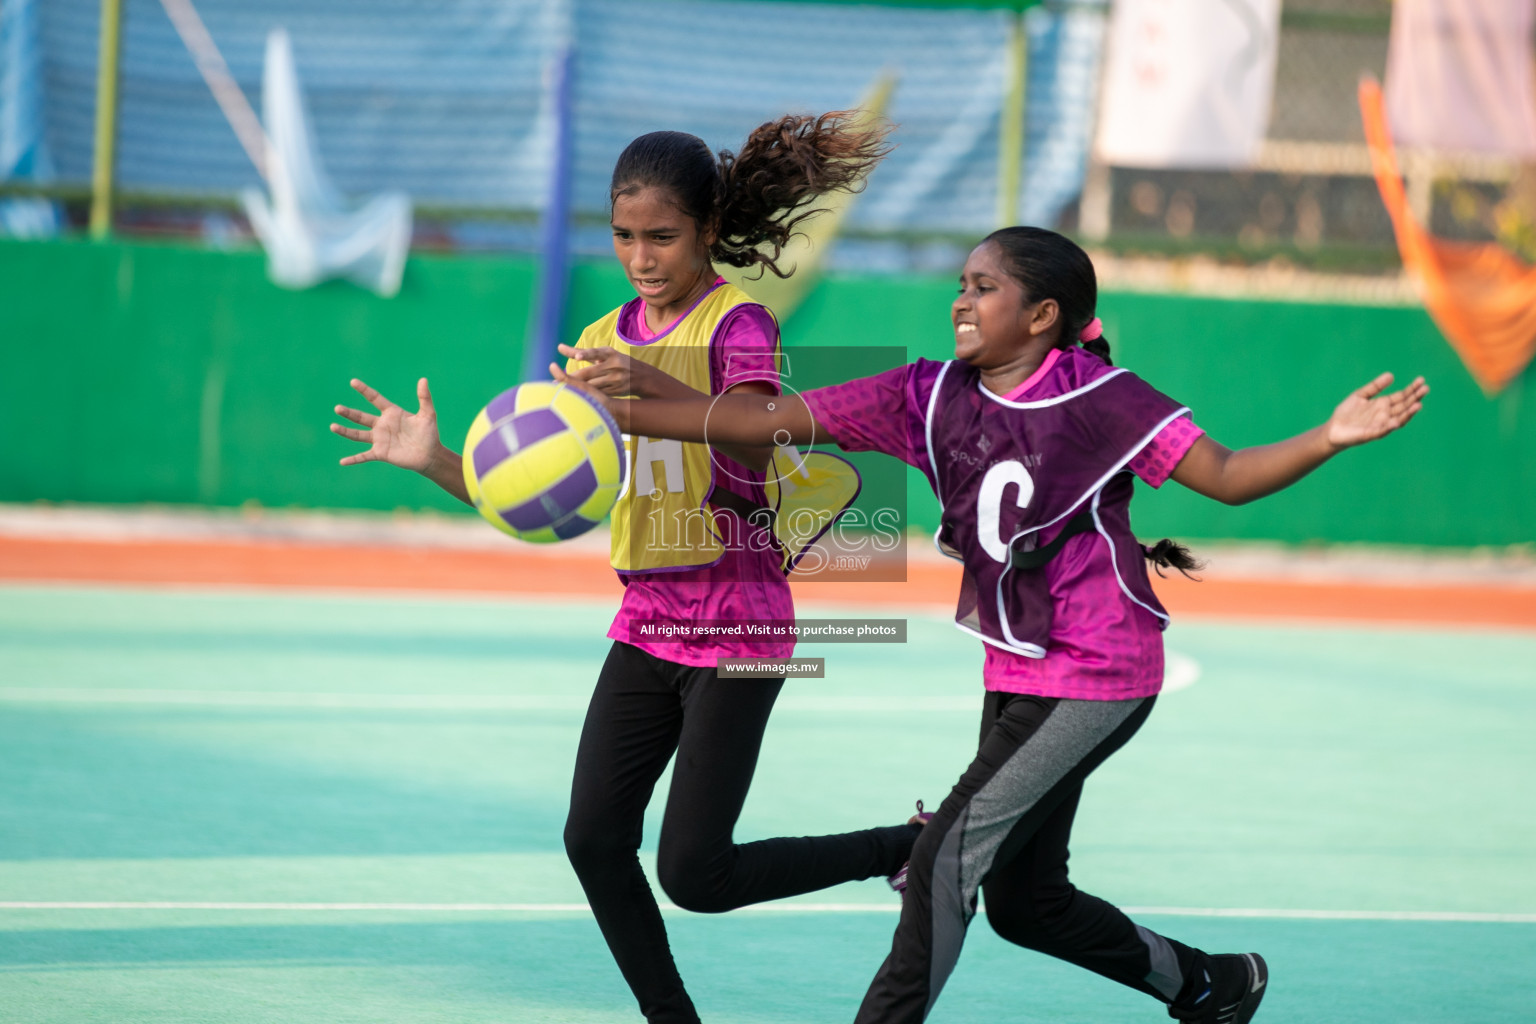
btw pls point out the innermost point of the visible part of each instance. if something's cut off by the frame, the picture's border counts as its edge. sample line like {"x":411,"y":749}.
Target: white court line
{"x":781,"y":908}
{"x":1336,"y":915}
{"x":1182,"y":671}
{"x":438,"y":702}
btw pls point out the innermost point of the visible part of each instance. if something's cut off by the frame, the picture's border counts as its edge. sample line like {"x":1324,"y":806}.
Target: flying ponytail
{"x":1170,"y":554}
{"x":755,"y":200}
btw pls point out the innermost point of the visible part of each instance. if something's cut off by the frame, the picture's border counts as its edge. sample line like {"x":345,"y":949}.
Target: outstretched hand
{"x":1368,"y":414}
{"x":400,"y":438}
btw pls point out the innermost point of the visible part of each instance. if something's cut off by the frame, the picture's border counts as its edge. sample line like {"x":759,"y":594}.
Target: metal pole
{"x":226,"y":91}
{"x":554,"y":263}
{"x":1010,"y":140}
{"x":110,"y":38}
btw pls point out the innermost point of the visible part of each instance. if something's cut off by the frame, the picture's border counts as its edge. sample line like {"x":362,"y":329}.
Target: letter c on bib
{"x":989,"y":504}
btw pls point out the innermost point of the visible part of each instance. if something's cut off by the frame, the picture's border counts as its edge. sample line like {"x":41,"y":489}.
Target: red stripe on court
{"x":512,"y":572}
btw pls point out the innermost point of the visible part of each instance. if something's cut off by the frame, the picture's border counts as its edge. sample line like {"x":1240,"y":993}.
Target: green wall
{"x":1462,"y":474}
{"x":145,"y":373}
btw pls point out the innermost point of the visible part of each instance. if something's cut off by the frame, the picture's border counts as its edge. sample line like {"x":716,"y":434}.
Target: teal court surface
{"x":287,"y":806}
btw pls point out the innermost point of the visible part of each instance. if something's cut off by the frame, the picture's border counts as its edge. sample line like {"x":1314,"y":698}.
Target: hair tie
{"x":1093,"y":332}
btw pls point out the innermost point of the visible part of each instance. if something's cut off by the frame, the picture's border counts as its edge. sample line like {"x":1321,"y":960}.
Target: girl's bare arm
{"x":736,"y":418}
{"x":1237,"y":477}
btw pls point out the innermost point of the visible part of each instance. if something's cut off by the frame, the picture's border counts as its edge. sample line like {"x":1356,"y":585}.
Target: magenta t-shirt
{"x":743,"y":586}
{"x":1103,"y":645}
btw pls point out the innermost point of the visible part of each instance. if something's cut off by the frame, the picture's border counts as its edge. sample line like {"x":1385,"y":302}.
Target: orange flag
{"x":1480,"y":295}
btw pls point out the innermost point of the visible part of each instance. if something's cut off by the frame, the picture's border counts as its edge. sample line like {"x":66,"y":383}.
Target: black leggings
{"x":1003,"y":831}
{"x":644,"y":709}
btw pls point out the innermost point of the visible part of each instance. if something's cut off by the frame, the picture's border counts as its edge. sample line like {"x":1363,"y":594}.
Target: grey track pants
{"x":1003,"y":830}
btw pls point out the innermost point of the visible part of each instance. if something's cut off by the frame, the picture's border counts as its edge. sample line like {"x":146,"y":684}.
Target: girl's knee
{"x":690,"y":885}
{"x":1032,"y":920}
{"x":592,"y":847}
{"x":1013,"y":924}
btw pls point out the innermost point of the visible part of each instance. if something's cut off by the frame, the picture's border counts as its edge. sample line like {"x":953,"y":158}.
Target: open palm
{"x":400,"y":438}
{"x":1368,"y":414}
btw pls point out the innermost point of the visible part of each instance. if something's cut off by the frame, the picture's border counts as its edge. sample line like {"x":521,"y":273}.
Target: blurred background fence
{"x":449,"y":102}
{"x":229,"y":378}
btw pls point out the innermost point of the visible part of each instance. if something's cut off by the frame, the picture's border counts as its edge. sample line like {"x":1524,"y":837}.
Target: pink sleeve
{"x":883,"y":413}
{"x":743,"y":349}
{"x":1155,"y":463}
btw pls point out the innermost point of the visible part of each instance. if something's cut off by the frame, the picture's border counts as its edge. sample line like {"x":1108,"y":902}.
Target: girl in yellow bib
{"x":683,"y":544}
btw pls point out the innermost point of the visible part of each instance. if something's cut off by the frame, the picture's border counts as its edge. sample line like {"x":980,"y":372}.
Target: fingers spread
{"x":352,"y":434}
{"x":357,"y":416}
{"x":1375,"y":387}
{"x":1411,"y":395}
{"x":375,"y":399}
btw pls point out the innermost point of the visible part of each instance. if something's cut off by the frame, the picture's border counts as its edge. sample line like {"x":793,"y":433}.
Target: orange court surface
{"x":440,"y":554}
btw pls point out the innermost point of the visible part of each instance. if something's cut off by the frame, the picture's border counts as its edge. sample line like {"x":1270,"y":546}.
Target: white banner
{"x":1187,"y":83}
{"x":311,"y":233}
{"x":1459,"y":76}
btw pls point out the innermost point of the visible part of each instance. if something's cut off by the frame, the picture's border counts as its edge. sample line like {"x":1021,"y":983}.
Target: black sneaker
{"x":1234,"y":985}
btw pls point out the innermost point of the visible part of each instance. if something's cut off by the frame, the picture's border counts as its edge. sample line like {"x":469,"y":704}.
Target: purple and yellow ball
{"x":543,"y":462}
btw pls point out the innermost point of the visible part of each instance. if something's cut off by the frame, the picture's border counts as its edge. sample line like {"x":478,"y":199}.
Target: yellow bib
{"x":661,"y":521}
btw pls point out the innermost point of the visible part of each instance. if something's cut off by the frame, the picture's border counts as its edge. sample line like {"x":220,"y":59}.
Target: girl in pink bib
{"x":1031,"y":439}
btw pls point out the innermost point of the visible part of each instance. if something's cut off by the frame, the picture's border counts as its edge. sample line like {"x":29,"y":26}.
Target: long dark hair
{"x":754,"y":200}
{"x":1048,"y":265}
